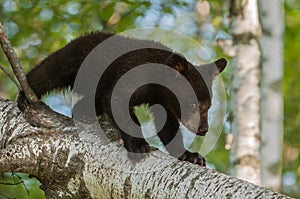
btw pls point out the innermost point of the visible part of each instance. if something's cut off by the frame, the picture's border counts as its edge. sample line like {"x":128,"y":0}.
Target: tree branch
{"x":77,"y":163}
{"x":16,"y":66}
{"x":11,"y":77}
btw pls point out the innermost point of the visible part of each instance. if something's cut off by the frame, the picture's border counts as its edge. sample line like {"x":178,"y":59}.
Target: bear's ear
{"x":177,"y":62}
{"x":221,"y":64}
{"x":216,"y":67}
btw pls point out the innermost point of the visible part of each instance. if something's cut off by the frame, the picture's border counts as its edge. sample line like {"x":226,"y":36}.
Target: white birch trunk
{"x":271,"y":15}
{"x":74,"y":163}
{"x":245,"y":29}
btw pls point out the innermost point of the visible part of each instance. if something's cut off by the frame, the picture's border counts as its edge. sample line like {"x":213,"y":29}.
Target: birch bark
{"x":271,"y":17}
{"x":245,"y":103}
{"x":77,"y":163}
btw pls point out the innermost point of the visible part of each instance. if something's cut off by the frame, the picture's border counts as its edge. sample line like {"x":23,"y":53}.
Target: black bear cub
{"x":60,"y":69}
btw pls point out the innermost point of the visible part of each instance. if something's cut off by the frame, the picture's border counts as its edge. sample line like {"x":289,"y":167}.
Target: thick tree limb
{"x":74,"y":163}
{"x":16,"y":66}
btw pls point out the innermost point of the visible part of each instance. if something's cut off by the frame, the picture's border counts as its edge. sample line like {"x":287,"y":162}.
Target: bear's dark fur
{"x":59,"y":70}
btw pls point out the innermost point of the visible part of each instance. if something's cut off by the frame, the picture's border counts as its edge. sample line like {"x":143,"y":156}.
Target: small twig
{"x":11,"y":183}
{"x":21,"y":180}
{"x":11,"y":77}
{"x":16,"y":66}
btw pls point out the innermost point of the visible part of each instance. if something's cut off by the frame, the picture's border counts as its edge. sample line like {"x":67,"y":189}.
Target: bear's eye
{"x":193,"y":105}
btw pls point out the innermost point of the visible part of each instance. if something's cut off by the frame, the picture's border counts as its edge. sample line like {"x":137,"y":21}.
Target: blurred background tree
{"x":37,"y":28}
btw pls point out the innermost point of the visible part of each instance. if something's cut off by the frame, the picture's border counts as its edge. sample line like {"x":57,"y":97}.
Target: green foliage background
{"x":291,"y":88}
{"x":13,"y":188}
{"x":37,"y":28}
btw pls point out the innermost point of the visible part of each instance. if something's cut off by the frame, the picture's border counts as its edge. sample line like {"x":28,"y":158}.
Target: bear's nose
{"x":202,"y":130}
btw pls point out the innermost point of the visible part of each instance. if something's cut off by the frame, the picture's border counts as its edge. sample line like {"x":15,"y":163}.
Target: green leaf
{"x":108,"y":11}
{"x":143,"y":113}
{"x":12,"y":187}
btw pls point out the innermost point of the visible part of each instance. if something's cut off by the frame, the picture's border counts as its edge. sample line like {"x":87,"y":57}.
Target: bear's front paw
{"x":194,"y":158}
{"x":22,"y":101}
{"x":137,"y":149}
